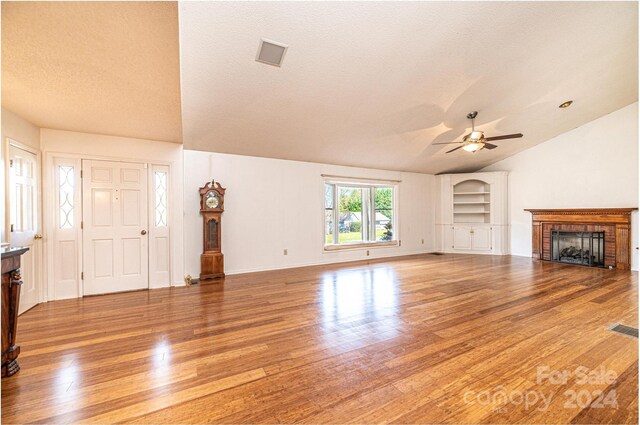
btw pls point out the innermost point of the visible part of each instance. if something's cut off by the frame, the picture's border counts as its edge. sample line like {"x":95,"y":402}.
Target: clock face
{"x":212,"y":200}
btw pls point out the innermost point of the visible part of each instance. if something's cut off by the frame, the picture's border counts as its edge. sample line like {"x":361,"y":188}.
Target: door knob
{"x":37,"y":236}
{"x":144,"y":232}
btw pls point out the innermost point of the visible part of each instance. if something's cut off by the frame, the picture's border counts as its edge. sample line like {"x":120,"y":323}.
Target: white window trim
{"x":362,"y":183}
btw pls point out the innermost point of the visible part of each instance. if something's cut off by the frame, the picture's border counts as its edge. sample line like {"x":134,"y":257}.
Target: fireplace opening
{"x":583,"y":248}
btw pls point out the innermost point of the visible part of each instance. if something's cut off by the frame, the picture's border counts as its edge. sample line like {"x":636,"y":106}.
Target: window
{"x":161,"y":198}
{"x":65,"y":192}
{"x":358,"y":213}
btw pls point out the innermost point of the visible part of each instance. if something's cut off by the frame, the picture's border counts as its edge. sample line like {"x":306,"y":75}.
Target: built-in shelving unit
{"x":472,"y":215}
{"x":472,"y":193}
{"x":472,"y":202}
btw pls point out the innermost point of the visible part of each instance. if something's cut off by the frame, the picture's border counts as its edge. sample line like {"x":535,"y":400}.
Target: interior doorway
{"x":24,"y":219}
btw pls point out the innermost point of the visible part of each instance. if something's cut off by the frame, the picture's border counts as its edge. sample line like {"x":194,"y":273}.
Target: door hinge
{"x":80,"y":173}
{"x":81,"y":275}
{"x":82,"y":225}
{"x":11,"y":163}
{"x":11,"y":228}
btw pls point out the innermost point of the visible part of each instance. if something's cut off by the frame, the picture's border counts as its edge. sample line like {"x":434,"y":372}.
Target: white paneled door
{"x":24,"y":172}
{"x":115,"y":224}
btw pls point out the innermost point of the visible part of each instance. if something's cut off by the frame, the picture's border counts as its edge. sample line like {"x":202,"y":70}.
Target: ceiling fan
{"x":475,"y":141}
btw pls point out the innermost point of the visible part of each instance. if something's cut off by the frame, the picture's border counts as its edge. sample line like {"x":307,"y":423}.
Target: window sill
{"x":361,"y":245}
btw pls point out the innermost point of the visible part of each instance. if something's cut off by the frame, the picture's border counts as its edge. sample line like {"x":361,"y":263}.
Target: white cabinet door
{"x":462,"y":237}
{"x":24,"y":213}
{"x":115,"y":241}
{"x":481,"y":239}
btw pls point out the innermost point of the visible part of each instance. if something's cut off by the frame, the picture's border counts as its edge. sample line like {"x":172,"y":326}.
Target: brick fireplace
{"x":593,"y":237}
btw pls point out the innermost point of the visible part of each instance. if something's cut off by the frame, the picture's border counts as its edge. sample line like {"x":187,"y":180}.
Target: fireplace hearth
{"x":599,"y":237}
{"x":583,"y":248}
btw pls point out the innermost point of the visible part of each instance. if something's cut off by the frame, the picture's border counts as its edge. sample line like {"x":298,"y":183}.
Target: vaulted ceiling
{"x":374,"y":84}
{"x":370,"y":84}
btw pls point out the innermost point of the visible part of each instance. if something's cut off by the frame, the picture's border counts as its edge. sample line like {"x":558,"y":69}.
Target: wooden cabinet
{"x":11,"y":282}
{"x":476,"y":238}
{"x":471,"y":216}
{"x":481,"y":239}
{"x":461,"y":237}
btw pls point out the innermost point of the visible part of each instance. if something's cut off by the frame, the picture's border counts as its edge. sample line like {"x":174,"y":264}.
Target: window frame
{"x":367,"y":208}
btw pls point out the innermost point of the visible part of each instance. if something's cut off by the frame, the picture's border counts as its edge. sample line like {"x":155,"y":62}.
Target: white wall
{"x":592,"y":166}
{"x":17,"y":128}
{"x":56,"y":144}
{"x":272,"y":205}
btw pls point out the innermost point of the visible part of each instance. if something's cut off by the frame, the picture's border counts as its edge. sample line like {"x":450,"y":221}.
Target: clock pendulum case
{"x":211,"y":208}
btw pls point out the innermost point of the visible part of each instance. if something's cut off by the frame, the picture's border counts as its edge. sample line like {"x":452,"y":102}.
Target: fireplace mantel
{"x":615,"y":222}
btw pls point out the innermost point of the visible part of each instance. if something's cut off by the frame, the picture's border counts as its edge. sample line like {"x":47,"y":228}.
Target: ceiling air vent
{"x":271,"y":52}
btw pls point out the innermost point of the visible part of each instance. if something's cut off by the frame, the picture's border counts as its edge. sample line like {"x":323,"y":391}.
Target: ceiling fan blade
{"x":454,"y":149}
{"x":447,"y":143}
{"x":506,"y":136}
{"x":448,"y":136}
{"x":490,"y":146}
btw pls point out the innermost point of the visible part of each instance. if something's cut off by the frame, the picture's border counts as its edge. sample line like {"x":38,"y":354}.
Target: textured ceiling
{"x":374,"y":84}
{"x":99,"y":67}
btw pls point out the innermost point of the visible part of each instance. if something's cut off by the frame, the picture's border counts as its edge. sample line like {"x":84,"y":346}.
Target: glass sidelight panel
{"x":66,"y":182}
{"x":160,"y":178}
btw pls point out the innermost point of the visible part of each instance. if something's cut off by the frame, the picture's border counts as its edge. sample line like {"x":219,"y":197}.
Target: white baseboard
{"x":321,"y":263}
{"x":520,"y":254}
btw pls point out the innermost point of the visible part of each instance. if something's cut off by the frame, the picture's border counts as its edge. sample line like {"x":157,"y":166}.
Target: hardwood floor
{"x":420,"y":339}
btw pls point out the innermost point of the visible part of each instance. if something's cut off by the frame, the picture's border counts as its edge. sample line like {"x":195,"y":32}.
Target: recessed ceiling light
{"x":565,"y":104}
{"x":271,"y":52}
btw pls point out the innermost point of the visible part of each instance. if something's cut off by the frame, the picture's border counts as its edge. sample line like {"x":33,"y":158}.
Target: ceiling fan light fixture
{"x":476,"y":136}
{"x":473,"y":146}
{"x":475,"y":140}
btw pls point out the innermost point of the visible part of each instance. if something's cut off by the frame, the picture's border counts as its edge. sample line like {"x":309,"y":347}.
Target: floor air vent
{"x":625,"y":330}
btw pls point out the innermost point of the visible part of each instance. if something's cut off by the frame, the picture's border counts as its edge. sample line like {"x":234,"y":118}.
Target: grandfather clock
{"x":212,"y":207}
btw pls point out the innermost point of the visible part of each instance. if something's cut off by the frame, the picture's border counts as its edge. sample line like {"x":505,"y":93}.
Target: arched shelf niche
{"x":472,"y":202}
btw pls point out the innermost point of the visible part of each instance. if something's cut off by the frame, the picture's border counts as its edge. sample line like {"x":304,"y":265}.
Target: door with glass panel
{"x":115,"y":223}
{"x":24,"y":172}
